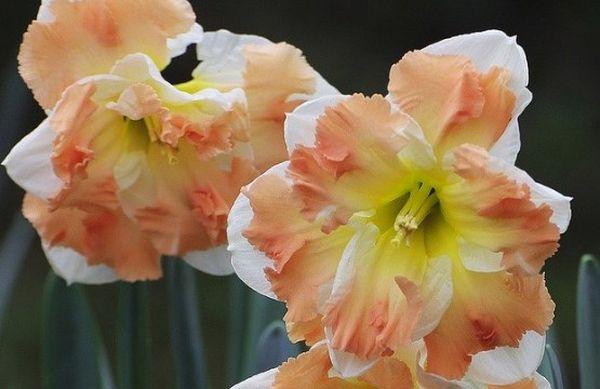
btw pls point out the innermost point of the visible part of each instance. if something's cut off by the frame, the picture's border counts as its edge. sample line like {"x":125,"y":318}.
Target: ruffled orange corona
{"x":403,"y":217}
{"x":127,"y":167}
{"x":505,"y":367}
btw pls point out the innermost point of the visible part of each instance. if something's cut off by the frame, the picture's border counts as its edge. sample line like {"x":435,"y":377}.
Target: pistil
{"x":420,"y":202}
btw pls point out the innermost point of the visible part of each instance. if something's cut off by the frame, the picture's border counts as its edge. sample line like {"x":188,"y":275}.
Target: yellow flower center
{"x":196,"y":84}
{"x":420,"y":202}
{"x":143,"y":133}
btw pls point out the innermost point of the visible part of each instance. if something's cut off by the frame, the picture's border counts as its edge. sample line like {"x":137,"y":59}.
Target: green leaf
{"x":72,"y":353}
{"x":133,"y":336}
{"x":588,"y":321}
{"x":238,"y":302}
{"x":550,"y":368}
{"x":13,"y":251}
{"x":274,"y":347}
{"x":184,"y":323}
{"x":261,"y":312}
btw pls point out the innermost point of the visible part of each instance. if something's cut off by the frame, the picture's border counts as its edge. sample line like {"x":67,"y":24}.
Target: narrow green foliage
{"x":72,"y":353}
{"x":13,"y":252}
{"x":550,"y":368}
{"x":238,"y":299}
{"x":184,"y":325}
{"x":261,"y":312}
{"x":274,"y":347}
{"x":588,"y":321}
{"x":133,"y":337}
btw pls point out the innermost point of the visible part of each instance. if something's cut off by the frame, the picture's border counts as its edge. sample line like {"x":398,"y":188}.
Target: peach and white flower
{"x":504,"y":367}
{"x":127,"y":167}
{"x":274,"y":76}
{"x":403,"y":217}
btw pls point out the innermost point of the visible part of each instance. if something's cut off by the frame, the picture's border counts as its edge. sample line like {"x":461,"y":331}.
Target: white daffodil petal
{"x":248,"y":262}
{"x":506,"y":365}
{"x":540,"y":194}
{"x":29,"y":163}
{"x":73,"y":267}
{"x":479,"y":259}
{"x":223,"y":62}
{"x":509,"y":144}
{"x":324,"y":88}
{"x":358,"y":247}
{"x":486,"y":49}
{"x":178,"y":45}
{"x":262,"y":380}
{"x":222,"y":56}
{"x":215,"y":261}
{"x":45,"y":15}
{"x":300,"y":124}
{"x":418,"y":152}
{"x":346,"y":365}
{"x":495,"y":48}
{"x":139,"y":68}
{"x":560,"y":204}
{"x":135,"y":182}
{"x":541,"y":381}
{"x":436,"y":292}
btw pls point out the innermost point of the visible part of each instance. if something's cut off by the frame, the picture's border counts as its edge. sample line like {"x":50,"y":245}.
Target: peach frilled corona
{"x":502,"y":368}
{"x":403,"y":217}
{"x":128,"y":167}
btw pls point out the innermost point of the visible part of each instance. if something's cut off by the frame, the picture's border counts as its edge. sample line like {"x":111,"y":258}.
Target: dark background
{"x":353,"y":44}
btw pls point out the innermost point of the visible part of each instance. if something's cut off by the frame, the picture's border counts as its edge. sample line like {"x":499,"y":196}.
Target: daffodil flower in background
{"x":403,"y":217}
{"x":510,"y":368}
{"x":127,"y":167}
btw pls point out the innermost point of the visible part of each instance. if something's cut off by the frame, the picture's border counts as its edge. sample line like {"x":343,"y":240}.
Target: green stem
{"x":133,"y":336}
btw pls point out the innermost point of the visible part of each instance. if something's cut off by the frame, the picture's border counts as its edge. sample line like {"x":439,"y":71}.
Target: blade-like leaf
{"x":261,"y":312}
{"x":71,"y":347}
{"x":184,"y":322}
{"x":13,"y":251}
{"x":550,"y":368}
{"x":238,"y":302}
{"x":133,"y":336}
{"x":274,"y":347}
{"x":588,"y":322}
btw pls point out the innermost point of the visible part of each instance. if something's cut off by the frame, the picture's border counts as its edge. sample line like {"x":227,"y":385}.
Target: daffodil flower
{"x":127,"y":167}
{"x":510,"y":368}
{"x":403,"y":217}
{"x":275,"y":79}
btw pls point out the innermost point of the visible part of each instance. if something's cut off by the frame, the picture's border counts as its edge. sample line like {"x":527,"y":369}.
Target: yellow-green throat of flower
{"x":420,"y":202}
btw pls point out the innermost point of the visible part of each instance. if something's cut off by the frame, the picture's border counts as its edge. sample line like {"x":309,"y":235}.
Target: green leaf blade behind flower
{"x":261,"y":312}
{"x":238,"y":303}
{"x":133,"y":337}
{"x":184,"y":325}
{"x":588,"y":321}
{"x":550,"y":368}
{"x":13,"y":253}
{"x":274,"y":347}
{"x":72,"y":353}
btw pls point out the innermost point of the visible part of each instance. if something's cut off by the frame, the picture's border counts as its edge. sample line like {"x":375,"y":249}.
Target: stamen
{"x":151,"y":126}
{"x":419,"y":204}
